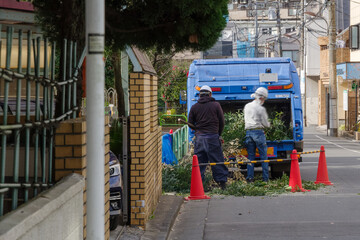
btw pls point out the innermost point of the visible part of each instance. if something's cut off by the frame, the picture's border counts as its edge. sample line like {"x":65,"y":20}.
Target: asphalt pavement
{"x":328,"y":213}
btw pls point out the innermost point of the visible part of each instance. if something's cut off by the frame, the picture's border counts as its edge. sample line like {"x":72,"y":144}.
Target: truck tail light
{"x":216,"y":89}
{"x":279,"y":87}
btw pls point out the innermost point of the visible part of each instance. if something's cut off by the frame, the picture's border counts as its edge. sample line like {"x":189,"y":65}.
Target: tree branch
{"x":139,"y":29}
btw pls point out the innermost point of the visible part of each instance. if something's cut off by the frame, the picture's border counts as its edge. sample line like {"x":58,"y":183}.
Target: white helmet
{"x":205,"y":88}
{"x":262,"y":92}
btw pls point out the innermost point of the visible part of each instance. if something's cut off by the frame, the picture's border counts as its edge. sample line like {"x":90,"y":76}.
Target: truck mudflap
{"x":280,"y":146}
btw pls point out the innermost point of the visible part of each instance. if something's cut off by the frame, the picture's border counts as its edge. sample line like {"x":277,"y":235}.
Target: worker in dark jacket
{"x":208,"y":118}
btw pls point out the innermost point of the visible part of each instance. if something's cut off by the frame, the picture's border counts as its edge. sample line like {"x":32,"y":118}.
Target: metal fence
{"x":28,"y":89}
{"x":180,"y":144}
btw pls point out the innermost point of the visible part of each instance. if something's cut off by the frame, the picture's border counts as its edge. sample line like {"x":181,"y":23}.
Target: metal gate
{"x":28,"y":89}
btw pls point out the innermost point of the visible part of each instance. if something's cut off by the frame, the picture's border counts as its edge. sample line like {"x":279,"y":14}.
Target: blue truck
{"x":233,"y":81}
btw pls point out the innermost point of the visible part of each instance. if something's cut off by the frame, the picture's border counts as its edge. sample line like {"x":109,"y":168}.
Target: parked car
{"x":116,"y":186}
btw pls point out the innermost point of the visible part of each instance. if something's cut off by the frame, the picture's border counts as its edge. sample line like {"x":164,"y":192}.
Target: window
{"x":289,"y":30}
{"x":354,"y":37}
{"x":260,"y":13}
{"x":292,"y":12}
{"x":293,"y":55}
{"x":266,"y":31}
{"x":250,"y":13}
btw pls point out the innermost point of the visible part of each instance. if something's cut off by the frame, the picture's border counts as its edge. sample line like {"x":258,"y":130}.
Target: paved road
{"x":330,"y":213}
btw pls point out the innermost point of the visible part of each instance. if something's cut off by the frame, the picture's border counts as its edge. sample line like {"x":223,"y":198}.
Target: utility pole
{"x":256,"y":31}
{"x":332,"y":70}
{"x":95,"y":118}
{"x":278,"y":27}
{"x":302,"y":55}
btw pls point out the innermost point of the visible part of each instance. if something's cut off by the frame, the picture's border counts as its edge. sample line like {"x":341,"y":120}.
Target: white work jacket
{"x":255,"y":116}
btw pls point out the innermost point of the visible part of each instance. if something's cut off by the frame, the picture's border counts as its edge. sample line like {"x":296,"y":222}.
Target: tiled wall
{"x":70,"y":156}
{"x":145,"y":148}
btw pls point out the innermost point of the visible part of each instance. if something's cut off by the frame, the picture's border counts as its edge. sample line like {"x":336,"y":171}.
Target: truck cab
{"x":234,"y":80}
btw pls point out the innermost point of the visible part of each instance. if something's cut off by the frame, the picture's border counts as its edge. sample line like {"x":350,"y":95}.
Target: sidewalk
{"x":159,"y":227}
{"x":323,"y":129}
{"x":156,"y":228}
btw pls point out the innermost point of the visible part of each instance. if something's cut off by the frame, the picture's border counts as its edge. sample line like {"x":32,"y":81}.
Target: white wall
{"x":312,"y":100}
{"x":315,"y":28}
{"x":355,"y":19}
{"x":56,"y":214}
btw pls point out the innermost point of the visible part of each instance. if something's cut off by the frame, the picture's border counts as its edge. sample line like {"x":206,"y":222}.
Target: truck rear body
{"x":234,"y":80}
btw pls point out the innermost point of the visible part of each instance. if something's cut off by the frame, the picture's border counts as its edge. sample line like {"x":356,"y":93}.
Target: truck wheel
{"x":277,"y":170}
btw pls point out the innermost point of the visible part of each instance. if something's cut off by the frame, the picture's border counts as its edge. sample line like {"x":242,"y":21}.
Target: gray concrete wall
{"x":54,"y":214}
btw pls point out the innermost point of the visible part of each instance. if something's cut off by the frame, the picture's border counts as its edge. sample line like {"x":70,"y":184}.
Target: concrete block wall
{"x":70,"y":157}
{"x":145,"y":148}
{"x":55,"y":214}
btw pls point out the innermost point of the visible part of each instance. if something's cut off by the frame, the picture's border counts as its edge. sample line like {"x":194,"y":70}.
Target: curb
{"x":164,"y":217}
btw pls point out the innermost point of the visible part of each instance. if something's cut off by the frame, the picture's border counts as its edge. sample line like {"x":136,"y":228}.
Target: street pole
{"x":332,"y":70}
{"x":256,"y":31}
{"x":95,"y":119}
{"x":302,"y":56}
{"x":279,"y":28}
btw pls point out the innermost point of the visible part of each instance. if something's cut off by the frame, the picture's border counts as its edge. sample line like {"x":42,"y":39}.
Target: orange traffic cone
{"x":196,"y":189}
{"x":322,"y":173}
{"x":295,"y":177}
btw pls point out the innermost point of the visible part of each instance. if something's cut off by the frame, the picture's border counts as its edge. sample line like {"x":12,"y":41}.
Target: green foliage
{"x":177,"y":178}
{"x":109,"y":69}
{"x":62,"y":19}
{"x":171,"y":84}
{"x":172,"y":76}
{"x":116,"y":134}
{"x":235,"y":128}
{"x":260,"y":188}
{"x":163,"y":24}
{"x":278,"y":129}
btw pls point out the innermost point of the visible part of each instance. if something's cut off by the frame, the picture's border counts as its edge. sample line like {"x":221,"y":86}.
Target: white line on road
{"x":337,"y":145}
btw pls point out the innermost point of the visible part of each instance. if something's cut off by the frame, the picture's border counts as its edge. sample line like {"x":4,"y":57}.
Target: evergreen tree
{"x":164,"y":24}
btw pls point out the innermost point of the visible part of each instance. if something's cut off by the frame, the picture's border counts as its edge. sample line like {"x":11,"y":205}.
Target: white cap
{"x":205,"y":88}
{"x":262,"y":92}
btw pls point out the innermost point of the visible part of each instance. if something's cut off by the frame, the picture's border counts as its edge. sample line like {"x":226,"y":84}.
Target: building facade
{"x":355,"y":49}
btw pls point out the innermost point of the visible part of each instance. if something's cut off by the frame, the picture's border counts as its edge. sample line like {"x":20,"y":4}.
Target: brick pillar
{"x":145,"y":166}
{"x":70,"y":157}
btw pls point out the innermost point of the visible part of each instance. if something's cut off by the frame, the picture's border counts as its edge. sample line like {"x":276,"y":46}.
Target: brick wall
{"x":70,"y":156}
{"x":145,"y":148}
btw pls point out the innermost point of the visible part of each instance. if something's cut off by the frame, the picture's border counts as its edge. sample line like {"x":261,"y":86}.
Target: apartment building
{"x":355,"y":53}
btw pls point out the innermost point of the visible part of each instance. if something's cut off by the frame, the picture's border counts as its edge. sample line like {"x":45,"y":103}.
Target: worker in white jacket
{"x":256,"y":119}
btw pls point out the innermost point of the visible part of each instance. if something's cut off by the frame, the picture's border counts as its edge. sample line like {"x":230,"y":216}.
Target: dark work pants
{"x":208,"y":149}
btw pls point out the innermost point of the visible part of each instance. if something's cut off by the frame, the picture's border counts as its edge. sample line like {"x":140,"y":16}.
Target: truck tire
{"x":277,"y":170}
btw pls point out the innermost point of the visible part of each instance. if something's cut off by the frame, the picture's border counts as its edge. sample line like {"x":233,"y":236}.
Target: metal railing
{"x":165,"y":118}
{"x":180,"y":144}
{"x":27,"y":113}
